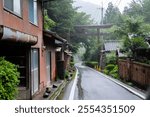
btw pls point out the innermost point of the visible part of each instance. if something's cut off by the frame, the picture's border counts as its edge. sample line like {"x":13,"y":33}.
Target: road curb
{"x":127,"y":87}
{"x":57,"y":92}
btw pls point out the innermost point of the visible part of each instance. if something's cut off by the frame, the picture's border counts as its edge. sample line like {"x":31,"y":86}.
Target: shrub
{"x":112,"y":70}
{"x":111,"y":58}
{"x":106,"y":71}
{"x":8,"y":80}
{"x":66,"y":74}
{"x":115,"y":75}
{"x":131,"y":44}
{"x":115,"y":69}
{"x":72,"y":64}
{"x":91,"y":64}
{"x":48,"y":23}
{"x":110,"y":67}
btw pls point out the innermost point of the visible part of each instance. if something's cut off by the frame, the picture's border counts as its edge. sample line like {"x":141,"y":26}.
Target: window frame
{"x":33,"y":21}
{"x":12,"y":11}
{"x":31,"y":75}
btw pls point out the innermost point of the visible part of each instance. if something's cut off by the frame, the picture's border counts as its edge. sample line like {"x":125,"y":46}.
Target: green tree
{"x":135,"y":9}
{"x":66,"y":18}
{"x":92,"y":50}
{"x":146,"y":10}
{"x":139,"y":8}
{"x":133,"y":34}
{"x":112,"y":15}
{"x":61,"y":12}
{"x":78,"y":34}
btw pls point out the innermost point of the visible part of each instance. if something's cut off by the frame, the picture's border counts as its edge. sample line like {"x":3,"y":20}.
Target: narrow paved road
{"x":93,"y":86}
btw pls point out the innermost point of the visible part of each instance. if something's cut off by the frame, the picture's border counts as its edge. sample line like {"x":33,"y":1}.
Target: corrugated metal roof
{"x":55,"y":35}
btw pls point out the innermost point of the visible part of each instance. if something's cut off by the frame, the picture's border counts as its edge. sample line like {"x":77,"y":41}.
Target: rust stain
{"x":17,"y":36}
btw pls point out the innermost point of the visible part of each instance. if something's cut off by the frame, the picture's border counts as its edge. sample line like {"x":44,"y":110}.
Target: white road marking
{"x":71,"y":97}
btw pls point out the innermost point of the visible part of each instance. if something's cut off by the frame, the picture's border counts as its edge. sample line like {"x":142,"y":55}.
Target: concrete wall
{"x":23,"y":24}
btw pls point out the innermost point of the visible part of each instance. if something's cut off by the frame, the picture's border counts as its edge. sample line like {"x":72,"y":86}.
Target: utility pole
{"x":101,"y":22}
{"x":101,"y":51}
{"x":102,"y":12}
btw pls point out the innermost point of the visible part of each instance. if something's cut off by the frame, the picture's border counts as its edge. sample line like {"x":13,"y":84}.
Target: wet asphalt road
{"x":93,"y":86}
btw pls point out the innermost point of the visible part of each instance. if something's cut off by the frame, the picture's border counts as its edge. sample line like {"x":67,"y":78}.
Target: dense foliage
{"x":112,"y":15}
{"x":91,"y":64}
{"x":48,"y":23}
{"x":61,"y":12}
{"x":8,"y":80}
{"x":111,"y":58}
{"x":139,"y":8}
{"x":66,"y":17}
{"x":133,"y":34}
{"x":111,"y":67}
{"x":131,"y":26}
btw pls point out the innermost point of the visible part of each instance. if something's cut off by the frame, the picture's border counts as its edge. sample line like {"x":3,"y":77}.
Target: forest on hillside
{"x":132,"y":26}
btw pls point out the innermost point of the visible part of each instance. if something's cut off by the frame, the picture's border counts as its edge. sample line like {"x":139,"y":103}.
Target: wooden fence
{"x":135,"y":72}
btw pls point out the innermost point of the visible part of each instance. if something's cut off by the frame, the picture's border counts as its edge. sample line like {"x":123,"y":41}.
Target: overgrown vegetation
{"x":8,"y":80}
{"x":133,"y":34}
{"x":131,"y":26}
{"x":66,"y":18}
{"x":48,"y":23}
{"x":111,"y":58}
{"x":91,"y":64}
{"x":72,"y":64}
{"x":111,"y":68}
{"x":67,"y":74}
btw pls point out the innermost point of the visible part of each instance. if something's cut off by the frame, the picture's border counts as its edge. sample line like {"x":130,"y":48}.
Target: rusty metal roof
{"x":54,"y":35}
{"x":12,"y":35}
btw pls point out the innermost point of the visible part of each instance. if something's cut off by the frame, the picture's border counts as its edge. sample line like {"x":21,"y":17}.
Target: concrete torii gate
{"x":99,"y":33}
{"x":98,"y":27}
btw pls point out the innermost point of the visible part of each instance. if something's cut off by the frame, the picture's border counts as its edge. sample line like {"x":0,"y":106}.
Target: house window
{"x":35,"y":70}
{"x":13,"y":5}
{"x":33,"y":11}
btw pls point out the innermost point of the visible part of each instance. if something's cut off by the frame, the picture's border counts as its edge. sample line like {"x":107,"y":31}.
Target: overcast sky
{"x":120,"y":3}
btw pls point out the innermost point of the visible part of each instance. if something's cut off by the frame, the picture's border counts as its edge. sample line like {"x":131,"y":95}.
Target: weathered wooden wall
{"x":135,"y":72}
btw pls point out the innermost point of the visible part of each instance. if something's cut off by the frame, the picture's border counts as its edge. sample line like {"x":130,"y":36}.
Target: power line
{"x":102,"y":10}
{"x":116,"y":3}
{"x":97,"y":18}
{"x":119,"y":3}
